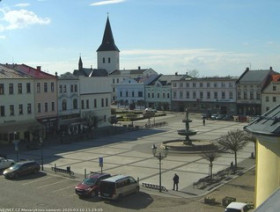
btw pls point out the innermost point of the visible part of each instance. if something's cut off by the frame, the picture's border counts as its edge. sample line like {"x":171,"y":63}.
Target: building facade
{"x":249,"y":87}
{"x":17,"y":115}
{"x":211,"y":95}
{"x":270,"y":96}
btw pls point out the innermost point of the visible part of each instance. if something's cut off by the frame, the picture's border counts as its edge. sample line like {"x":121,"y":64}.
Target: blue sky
{"x":214,"y":37}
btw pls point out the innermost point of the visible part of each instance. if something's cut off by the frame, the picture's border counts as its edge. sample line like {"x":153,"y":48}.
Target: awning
{"x":17,"y":126}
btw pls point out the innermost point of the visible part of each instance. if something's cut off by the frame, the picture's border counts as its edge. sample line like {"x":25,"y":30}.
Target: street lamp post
{"x":42,"y":158}
{"x":160,"y":154}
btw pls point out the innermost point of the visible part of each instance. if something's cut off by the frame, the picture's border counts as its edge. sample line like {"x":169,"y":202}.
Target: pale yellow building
{"x":267,"y":130}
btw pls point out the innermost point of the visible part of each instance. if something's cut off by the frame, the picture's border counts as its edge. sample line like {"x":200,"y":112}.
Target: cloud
{"x":100,"y":3}
{"x":2,"y":37}
{"x":18,"y":19}
{"x":22,"y":5}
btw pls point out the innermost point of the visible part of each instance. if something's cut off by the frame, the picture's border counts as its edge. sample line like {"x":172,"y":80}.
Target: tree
{"x":234,"y":141}
{"x":210,"y":156}
{"x":193,"y":73}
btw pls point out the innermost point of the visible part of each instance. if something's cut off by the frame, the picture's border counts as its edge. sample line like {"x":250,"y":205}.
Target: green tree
{"x":234,"y":141}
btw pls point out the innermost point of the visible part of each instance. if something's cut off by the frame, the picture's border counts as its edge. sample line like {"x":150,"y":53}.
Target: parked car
{"x":213,"y":116}
{"x":90,"y":185}
{"x":220,"y":116}
{"x":116,"y":187}
{"x":237,"y":207}
{"x":6,"y":163}
{"x":228,"y":117}
{"x":21,"y":168}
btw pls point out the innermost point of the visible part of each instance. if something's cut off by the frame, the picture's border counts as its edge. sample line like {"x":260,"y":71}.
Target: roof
{"x":89,"y":72}
{"x":115,"y":178}
{"x":266,"y":124}
{"x":108,"y":43}
{"x":130,"y":71}
{"x":275,"y":77}
{"x":254,"y":75}
{"x":36,"y":73}
{"x":68,"y":76}
{"x":236,"y":205}
{"x":7,"y":72}
{"x":166,"y":79}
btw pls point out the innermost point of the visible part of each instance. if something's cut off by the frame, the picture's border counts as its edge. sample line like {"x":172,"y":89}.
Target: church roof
{"x":108,"y":43}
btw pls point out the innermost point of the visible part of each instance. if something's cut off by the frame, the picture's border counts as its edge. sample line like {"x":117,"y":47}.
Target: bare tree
{"x":210,"y":156}
{"x":234,"y":141}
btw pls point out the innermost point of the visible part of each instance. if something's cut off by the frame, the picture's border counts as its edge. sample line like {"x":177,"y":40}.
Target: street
{"x":128,"y":154}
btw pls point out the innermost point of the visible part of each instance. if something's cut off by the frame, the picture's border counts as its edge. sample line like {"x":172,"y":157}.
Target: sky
{"x":213,"y":37}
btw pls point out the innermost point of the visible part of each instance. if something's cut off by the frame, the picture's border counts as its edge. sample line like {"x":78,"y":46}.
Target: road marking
{"x":38,"y":180}
{"x":39,"y":187}
{"x":63,"y":188}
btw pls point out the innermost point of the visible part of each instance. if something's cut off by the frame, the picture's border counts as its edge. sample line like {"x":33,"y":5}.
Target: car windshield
{"x":233,"y":210}
{"x":16,"y":166}
{"x":89,"y":181}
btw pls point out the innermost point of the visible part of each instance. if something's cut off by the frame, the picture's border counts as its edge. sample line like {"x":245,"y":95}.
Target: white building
{"x":95,"y":100}
{"x":270,"y":96}
{"x":17,"y":116}
{"x":213,"y":95}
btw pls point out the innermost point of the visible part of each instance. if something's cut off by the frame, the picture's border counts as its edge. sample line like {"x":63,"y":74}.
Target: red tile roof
{"x":33,"y":72}
{"x":276,"y":77}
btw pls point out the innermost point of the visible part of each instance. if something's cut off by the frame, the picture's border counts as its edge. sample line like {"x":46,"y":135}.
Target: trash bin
{"x":228,"y":200}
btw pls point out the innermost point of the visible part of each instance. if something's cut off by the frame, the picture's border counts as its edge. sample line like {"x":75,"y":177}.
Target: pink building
{"x":45,"y":96}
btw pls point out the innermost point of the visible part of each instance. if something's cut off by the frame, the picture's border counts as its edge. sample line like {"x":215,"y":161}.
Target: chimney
{"x":139,"y":67}
{"x":247,"y":69}
{"x":176,"y":73}
{"x":38,"y":68}
{"x":271,"y":68}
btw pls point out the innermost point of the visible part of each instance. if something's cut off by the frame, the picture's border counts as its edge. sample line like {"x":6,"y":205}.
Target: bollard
{"x":68,"y":168}
{"x":85,"y":173}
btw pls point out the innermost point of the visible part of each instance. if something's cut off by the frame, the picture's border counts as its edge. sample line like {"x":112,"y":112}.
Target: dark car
{"x":22,"y":168}
{"x":90,"y":185}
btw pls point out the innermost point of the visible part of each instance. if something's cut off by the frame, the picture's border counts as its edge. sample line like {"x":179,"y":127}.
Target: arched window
{"x":64,"y":104}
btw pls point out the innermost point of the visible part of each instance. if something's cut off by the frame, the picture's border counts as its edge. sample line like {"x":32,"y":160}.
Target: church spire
{"x":108,"y":43}
{"x":80,"y":64}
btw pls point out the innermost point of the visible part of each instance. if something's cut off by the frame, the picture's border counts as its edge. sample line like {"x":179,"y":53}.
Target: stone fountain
{"x":187,"y":145}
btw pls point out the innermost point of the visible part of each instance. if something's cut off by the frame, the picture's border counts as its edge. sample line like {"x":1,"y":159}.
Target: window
{"x":194,"y":84}
{"x":194,"y":95}
{"x":52,"y":87}
{"x":158,"y":95}
{"x":64,"y":105}
{"x":132,"y":93}
{"x":102,"y":102}
{"x":201,"y":95}
{"x":11,"y":88}
{"x":239,"y":95}
{"x":168,"y":95}
{"x":201,"y":84}
{"x":258,"y":95}
{"x":174,"y":94}
{"x":274,"y":99}
{"x":103,"y":59}
{"x":107,"y":102}
{"x":28,"y":88}
{"x":208,"y":84}
{"x":187,"y":85}
{"x":2,"y":89}
{"x":2,"y":110}
{"x":181,"y":85}
{"x":267,"y":98}
{"x":223,"y":85}
{"x":95,"y":103}
{"x":245,"y":94}
{"x":39,"y":107}
{"x":12,"y":110}
{"x":46,"y":107}
{"x":251,"y":95}
{"x":45,"y":87}
{"x":60,"y":88}
{"x":230,"y":95}
{"x":87,"y":103}
{"x":215,"y":85}
{"x":76,"y":88}
{"x":223,"y":95}
{"x":38,"y":88}
{"x":19,"y":88}
{"x":117,"y":80}
{"x":153,"y":95}
{"x":149,"y":95}
{"x":109,"y":60}
{"x":75,"y":104}
{"x":187,"y":95}
{"x":174,"y":84}
{"x":29,"y":108}
{"x":215,"y":95}
{"x":64,"y":89}
{"x":126,"y":93}
{"x":267,"y":108}
{"x":274,"y":88}
{"x":82,"y":104}
{"x":181,"y":95}
{"x":140,"y":94}
{"x":163,"y":95}
{"x":20,"y":109}
{"x":230,"y":85}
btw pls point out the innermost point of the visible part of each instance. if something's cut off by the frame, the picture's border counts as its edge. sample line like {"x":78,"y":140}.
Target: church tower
{"x":108,"y":52}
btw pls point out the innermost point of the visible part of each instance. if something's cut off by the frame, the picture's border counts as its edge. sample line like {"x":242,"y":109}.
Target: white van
{"x":237,"y":207}
{"x":116,"y":187}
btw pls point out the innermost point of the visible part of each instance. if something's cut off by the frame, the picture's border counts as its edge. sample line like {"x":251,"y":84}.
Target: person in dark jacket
{"x":175,"y":182}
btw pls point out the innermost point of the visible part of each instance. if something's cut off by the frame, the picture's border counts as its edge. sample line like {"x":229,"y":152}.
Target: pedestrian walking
{"x":203,"y":121}
{"x":175,"y":182}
